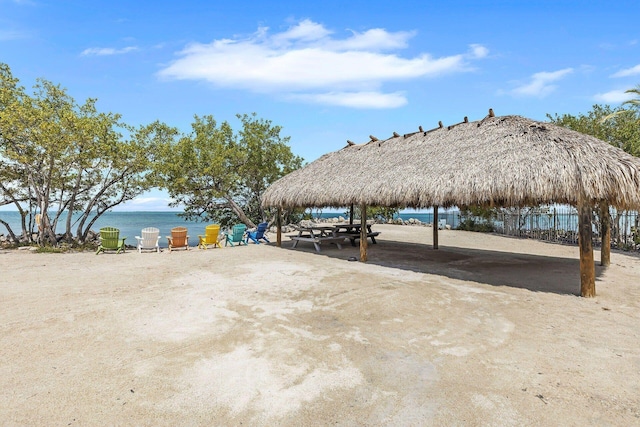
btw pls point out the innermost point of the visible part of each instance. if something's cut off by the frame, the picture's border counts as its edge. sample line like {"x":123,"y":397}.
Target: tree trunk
{"x":587,"y":267}
{"x":68,"y":236}
{"x":9,"y":230}
{"x":238,"y":211}
{"x":9,"y":196}
{"x":48,"y":229}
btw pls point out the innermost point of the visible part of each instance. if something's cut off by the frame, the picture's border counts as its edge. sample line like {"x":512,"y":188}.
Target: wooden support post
{"x":279,"y":228}
{"x":435,"y":227}
{"x":605,"y":248}
{"x":351,"y":214}
{"x":363,"y":233}
{"x":587,"y":267}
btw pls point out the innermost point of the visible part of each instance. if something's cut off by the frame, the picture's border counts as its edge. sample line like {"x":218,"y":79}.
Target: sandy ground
{"x":486,"y":331}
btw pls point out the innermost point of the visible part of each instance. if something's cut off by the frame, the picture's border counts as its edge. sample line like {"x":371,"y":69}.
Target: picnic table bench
{"x":317,"y":236}
{"x":352,"y":232}
{"x":335,"y":234}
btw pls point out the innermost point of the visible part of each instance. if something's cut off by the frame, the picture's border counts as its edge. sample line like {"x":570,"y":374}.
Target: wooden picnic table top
{"x":316,"y":229}
{"x":348,"y":227}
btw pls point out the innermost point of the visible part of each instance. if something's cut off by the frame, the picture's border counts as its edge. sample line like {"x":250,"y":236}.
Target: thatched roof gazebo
{"x":498,"y":161}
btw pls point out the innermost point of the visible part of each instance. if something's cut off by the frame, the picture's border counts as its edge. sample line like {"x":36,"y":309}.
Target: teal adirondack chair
{"x":236,"y":235}
{"x":110,"y":240}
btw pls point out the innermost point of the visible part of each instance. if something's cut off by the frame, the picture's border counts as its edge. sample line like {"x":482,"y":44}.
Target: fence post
{"x":363,"y":233}
{"x":435,"y":227}
{"x":587,"y":267}
{"x":605,"y":225}
{"x":279,"y":227}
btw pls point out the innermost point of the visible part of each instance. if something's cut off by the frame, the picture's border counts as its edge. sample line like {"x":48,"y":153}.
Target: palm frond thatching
{"x":498,"y":161}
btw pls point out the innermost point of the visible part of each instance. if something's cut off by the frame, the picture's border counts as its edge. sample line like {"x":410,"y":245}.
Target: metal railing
{"x":560,"y":225}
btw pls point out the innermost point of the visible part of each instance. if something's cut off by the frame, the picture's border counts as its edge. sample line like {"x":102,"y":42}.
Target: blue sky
{"x":326,"y":71}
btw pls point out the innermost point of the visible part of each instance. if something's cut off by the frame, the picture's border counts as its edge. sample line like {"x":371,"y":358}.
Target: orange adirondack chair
{"x":178,"y":239}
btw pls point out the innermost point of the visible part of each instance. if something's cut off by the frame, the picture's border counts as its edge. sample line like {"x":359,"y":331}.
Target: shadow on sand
{"x":518,"y":270}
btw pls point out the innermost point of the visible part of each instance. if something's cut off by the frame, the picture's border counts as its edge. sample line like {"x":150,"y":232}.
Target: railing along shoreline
{"x":558,"y":225}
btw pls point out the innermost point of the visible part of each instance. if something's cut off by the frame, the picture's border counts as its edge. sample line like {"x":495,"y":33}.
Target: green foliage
{"x":293,"y":216}
{"x":635,"y":233}
{"x":471,"y":224}
{"x":477,"y":218}
{"x":265,"y":157}
{"x":58,"y":156}
{"x":619,"y":127}
{"x":50,"y":250}
{"x":634,"y":102}
{"x":382,"y":214}
{"x":193,"y":168}
{"x":66,"y":248}
{"x":219,"y":175}
{"x":377,"y":213}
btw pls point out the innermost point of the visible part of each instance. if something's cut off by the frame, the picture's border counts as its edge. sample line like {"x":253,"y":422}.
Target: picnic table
{"x":317,"y":235}
{"x":352,"y":232}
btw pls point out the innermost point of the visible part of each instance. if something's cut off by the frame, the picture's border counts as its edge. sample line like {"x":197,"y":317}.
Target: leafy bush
{"x":477,"y":218}
{"x":470,"y":224}
{"x":379,"y":214}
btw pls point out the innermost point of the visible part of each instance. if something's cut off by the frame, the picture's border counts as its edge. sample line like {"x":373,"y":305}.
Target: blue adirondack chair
{"x":258,"y":234}
{"x":236,"y":235}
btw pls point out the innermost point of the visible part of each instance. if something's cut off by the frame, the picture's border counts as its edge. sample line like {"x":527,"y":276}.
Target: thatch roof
{"x":498,"y":161}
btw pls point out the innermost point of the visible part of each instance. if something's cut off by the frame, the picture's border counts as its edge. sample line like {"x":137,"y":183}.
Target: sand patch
{"x":243,"y":381}
{"x":485,"y":331}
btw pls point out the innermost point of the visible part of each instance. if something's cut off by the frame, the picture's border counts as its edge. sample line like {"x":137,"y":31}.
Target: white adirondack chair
{"x":150,"y":239}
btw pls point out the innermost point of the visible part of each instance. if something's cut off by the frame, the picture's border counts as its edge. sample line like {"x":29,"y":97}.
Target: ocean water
{"x":452,"y":217}
{"x":131,"y":223}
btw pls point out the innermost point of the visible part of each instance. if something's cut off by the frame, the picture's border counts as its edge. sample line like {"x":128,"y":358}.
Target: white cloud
{"x":6,"y":35}
{"x":540,"y":85}
{"x":307,"y":62}
{"x":376,"y":39}
{"x":356,"y":99}
{"x":305,"y":31}
{"x":613,"y":97}
{"x":154,"y":200}
{"x":479,"y":51}
{"x":627,"y":72}
{"x":104,"y":51}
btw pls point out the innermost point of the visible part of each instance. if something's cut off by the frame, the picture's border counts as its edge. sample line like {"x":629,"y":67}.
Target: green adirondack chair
{"x":236,"y":235}
{"x":110,"y":240}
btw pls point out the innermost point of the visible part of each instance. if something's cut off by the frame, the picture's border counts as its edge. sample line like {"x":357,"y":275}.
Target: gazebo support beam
{"x":435,"y":227}
{"x":587,"y":267}
{"x":605,"y":249}
{"x":363,"y":233}
{"x":279,"y":228}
